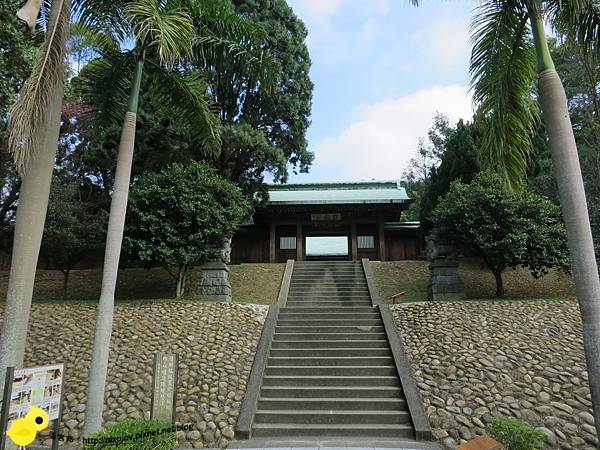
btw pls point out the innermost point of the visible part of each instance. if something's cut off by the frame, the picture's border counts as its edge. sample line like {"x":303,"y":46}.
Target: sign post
{"x":164,"y":387}
{"x":39,"y":386}
{"x":6,"y":405}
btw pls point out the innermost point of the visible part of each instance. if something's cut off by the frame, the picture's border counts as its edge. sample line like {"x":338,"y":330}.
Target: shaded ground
{"x":412,"y":277}
{"x":521,"y":358}
{"x":251,"y":283}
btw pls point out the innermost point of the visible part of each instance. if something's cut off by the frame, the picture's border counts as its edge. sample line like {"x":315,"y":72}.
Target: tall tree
{"x":165,"y":34}
{"x":265,"y":125}
{"x":17,"y":55}
{"x":33,"y":136}
{"x":74,"y":227}
{"x":508,"y":39}
{"x":162,"y":31}
{"x":458,"y":162}
{"x":504,"y":229}
{"x":180,"y":215}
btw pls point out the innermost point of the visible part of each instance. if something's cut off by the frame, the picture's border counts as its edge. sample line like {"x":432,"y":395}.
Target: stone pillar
{"x":272,"y":243}
{"x":214,"y":282}
{"x":381,"y":242}
{"x":299,"y":243}
{"x":353,"y":243}
{"x":445,"y":282}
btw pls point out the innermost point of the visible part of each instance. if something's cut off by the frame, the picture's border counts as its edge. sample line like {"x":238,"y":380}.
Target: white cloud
{"x":446,"y":44}
{"x":382,"y":137}
{"x":316,"y":10}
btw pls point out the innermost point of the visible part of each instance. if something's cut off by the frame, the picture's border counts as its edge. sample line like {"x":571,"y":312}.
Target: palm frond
{"x":104,"y":84}
{"x":184,"y":95}
{"x":224,"y":36}
{"x":502,"y":73}
{"x":579,"y":19}
{"x":99,"y":40}
{"x":28,"y":114}
{"x":105,"y":15}
{"x":164,"y":25}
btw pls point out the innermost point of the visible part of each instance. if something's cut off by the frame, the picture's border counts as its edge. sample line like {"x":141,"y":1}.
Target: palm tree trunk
{"x":29,"y":228}
{"x":114,"y":238}
{"x":574,"y":206}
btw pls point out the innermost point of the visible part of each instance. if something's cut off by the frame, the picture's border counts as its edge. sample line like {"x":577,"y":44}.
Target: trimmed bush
{"x":133,"y":435}
{"x":514,"y":434}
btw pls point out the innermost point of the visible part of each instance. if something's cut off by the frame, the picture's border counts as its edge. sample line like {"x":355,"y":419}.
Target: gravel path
{"x":477,"y":359}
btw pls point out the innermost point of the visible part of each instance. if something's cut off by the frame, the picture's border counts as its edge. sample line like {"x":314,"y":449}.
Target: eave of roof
{"x":359,"y":192}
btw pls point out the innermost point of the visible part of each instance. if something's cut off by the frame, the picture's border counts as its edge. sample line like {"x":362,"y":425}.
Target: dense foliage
{"x":503,"y":229}
{"x":133,"y":435}
{"x":181,"y":215}
{"x":17,"y":52}
{"x":514,"y":434}
{"x":458,"y":161}
{"x":266,"y":127}
{"x":74,"y":228}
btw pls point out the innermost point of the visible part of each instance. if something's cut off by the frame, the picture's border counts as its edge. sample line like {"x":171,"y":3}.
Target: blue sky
{"x":381,"y":69}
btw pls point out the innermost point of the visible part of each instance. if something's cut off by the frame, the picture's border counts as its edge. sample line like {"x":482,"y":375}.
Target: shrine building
{"x":345,"y":221}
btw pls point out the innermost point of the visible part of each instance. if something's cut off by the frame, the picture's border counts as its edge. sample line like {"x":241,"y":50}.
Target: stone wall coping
{"x":285,"y":283}
{"x":411,"y":393}
{"x":373,"y":291}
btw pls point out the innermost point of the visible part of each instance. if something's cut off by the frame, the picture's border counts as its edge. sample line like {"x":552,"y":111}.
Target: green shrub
{"x":514,"y":434}
{"x":133,"y":435}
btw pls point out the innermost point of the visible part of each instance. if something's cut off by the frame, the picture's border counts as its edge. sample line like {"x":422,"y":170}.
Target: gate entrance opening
{"x":327,"y":246}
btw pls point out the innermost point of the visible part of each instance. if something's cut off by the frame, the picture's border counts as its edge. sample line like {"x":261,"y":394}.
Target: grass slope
{"x":412,"y":277}
{"x":250,"y":283}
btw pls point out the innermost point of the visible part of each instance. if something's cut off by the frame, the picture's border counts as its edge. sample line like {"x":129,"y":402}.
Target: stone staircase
{"x":330,"y":371}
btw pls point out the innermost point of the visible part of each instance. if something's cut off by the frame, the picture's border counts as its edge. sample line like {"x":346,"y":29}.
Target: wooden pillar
{"x":272,"y":243}
{"x":353,"y":243}
{"x":299,"y":243}
{"x":381,"y":242}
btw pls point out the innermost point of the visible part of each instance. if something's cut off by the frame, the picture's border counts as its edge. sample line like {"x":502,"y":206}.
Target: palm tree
{"x":166,"y":34}
{"x":33,"y":136}
{"x":508,"y":38}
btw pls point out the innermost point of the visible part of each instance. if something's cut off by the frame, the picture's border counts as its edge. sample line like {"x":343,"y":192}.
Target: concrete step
{"x":325,"y":344}
{"x":285,"y":315}
{"x":329,"y":278}
{"x":327,"y":403}
{"x":333,"y":417}
{"x":283,"y":336}
{"x":330,"y":322}
{"x":333,"y":289}
{"x":328,"y":298}
{"x":330,"y":361}
{"x":339,"y":430}
{"x":320,"y":352}
{"x":324,"y":274}
{"x":324,"y":304}
{"x":343,"y":393}
{"x":330,"y":329}
{"x":321,"y":380}
{"x":330,"y":370}
{"x":338,"y":292}
{"x":303,"y":308}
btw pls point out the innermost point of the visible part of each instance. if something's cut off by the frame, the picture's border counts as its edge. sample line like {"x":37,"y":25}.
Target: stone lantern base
{"x":445,"y":282}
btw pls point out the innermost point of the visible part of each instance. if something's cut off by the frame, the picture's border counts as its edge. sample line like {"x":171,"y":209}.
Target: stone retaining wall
{"x":477,"y":359}
{"x":216,"y":345}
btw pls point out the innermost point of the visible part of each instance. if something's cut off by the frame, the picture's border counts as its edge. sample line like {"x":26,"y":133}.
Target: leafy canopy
{"x":503,"y":73}
{"x":182,"y":214}
{"x":503,"y":229}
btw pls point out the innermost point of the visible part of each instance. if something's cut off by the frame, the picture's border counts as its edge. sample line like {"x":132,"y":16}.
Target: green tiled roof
{"x":357,"y":192}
